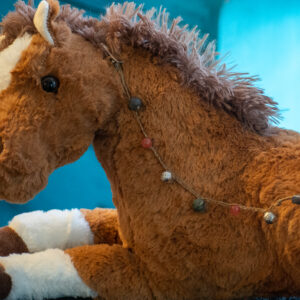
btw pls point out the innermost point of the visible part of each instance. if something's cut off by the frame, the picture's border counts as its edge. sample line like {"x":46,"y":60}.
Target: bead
{"x":135,"y":104}
{"x":269,"y":217}
{"x":235,"y":210}
{"x":296,"y":199}
{"x":146,"y":143}
{"x":166,"y":176}
{"x":199,"y":205}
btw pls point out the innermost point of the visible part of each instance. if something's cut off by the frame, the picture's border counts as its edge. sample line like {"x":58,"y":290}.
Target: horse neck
{"x":206,"y":147}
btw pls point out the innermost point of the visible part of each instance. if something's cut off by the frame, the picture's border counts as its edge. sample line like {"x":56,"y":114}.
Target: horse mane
{"x":195,"y":59}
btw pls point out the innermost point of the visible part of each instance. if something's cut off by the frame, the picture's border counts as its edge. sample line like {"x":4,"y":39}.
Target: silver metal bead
{"x":269,"y":217}
{"x":166,"y":176}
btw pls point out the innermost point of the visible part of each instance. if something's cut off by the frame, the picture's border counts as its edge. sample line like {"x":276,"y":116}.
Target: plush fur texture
{"x":55,"y":265}
{"x":104,"y":225}
{"x":5,"y":283}
{"x":53,"y":229}
{"x":167,"y":250}
{"x":11,"y":242}
{"x":9,"y":58}
{"x":40,"y":21}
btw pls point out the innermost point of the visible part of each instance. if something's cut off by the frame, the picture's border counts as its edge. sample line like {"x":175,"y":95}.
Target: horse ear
{"x":44,"y":15}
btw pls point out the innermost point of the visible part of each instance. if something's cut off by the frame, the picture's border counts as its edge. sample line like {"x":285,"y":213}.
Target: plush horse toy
{"x":204,"y":184}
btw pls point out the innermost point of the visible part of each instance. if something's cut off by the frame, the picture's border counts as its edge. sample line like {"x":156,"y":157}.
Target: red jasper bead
{"x":146,"y":143}
{"x":235,"y":210}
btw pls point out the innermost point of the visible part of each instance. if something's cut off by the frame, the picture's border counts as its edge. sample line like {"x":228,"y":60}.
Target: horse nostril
{"x":1,"y":145}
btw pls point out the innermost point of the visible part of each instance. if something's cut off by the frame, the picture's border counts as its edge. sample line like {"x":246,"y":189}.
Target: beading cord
{"x":118,"y":66}
{"x":192,"y":191}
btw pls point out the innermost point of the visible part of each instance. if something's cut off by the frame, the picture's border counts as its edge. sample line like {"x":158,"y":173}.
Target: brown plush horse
{"x":197,"y":170}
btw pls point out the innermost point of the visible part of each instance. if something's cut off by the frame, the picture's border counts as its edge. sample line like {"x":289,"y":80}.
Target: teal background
{"x":263,"y":38}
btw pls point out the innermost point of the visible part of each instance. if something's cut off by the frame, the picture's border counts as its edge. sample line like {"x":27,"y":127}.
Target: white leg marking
{"x":9,"y":57}
{"x":53,"y":229}
{"x":47,"y":274}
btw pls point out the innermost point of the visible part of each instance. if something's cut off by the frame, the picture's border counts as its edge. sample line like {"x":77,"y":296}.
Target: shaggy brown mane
{"x":197,"y":64}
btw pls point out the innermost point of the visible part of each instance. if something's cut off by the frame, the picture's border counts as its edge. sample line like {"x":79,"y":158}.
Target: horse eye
{"x":50,"y":84}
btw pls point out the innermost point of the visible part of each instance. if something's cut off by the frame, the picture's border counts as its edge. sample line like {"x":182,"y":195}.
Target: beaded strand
{"x":199,"y":204}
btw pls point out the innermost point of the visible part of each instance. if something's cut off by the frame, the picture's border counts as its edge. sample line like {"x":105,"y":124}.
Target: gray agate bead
{"x":135,"y":104}
{"x":296,"y":199}
{"x":199,"y":205}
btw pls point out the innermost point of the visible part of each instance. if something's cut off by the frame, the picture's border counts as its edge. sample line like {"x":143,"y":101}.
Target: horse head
{"x":53,"y":98}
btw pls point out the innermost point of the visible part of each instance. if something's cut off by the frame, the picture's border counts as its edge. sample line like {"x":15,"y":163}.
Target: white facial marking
{"x":43,"y":275}
{"x":9,"y":57}
{"x":53,"y":229}
{"x":40,"y":21}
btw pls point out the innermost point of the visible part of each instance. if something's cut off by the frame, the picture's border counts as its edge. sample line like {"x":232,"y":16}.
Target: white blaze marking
{"x":61,"y":229}
{"x":9,"y":57}
{"x":47,"y":274}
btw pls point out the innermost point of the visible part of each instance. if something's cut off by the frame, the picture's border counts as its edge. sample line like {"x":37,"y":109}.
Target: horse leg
{"x":40,"y":275}
{"x":11,"y":242}
{"x":109,"y":272}
{"x":104,"y":225}
{"x":113,"y":271}
{"x":38,"y":231}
